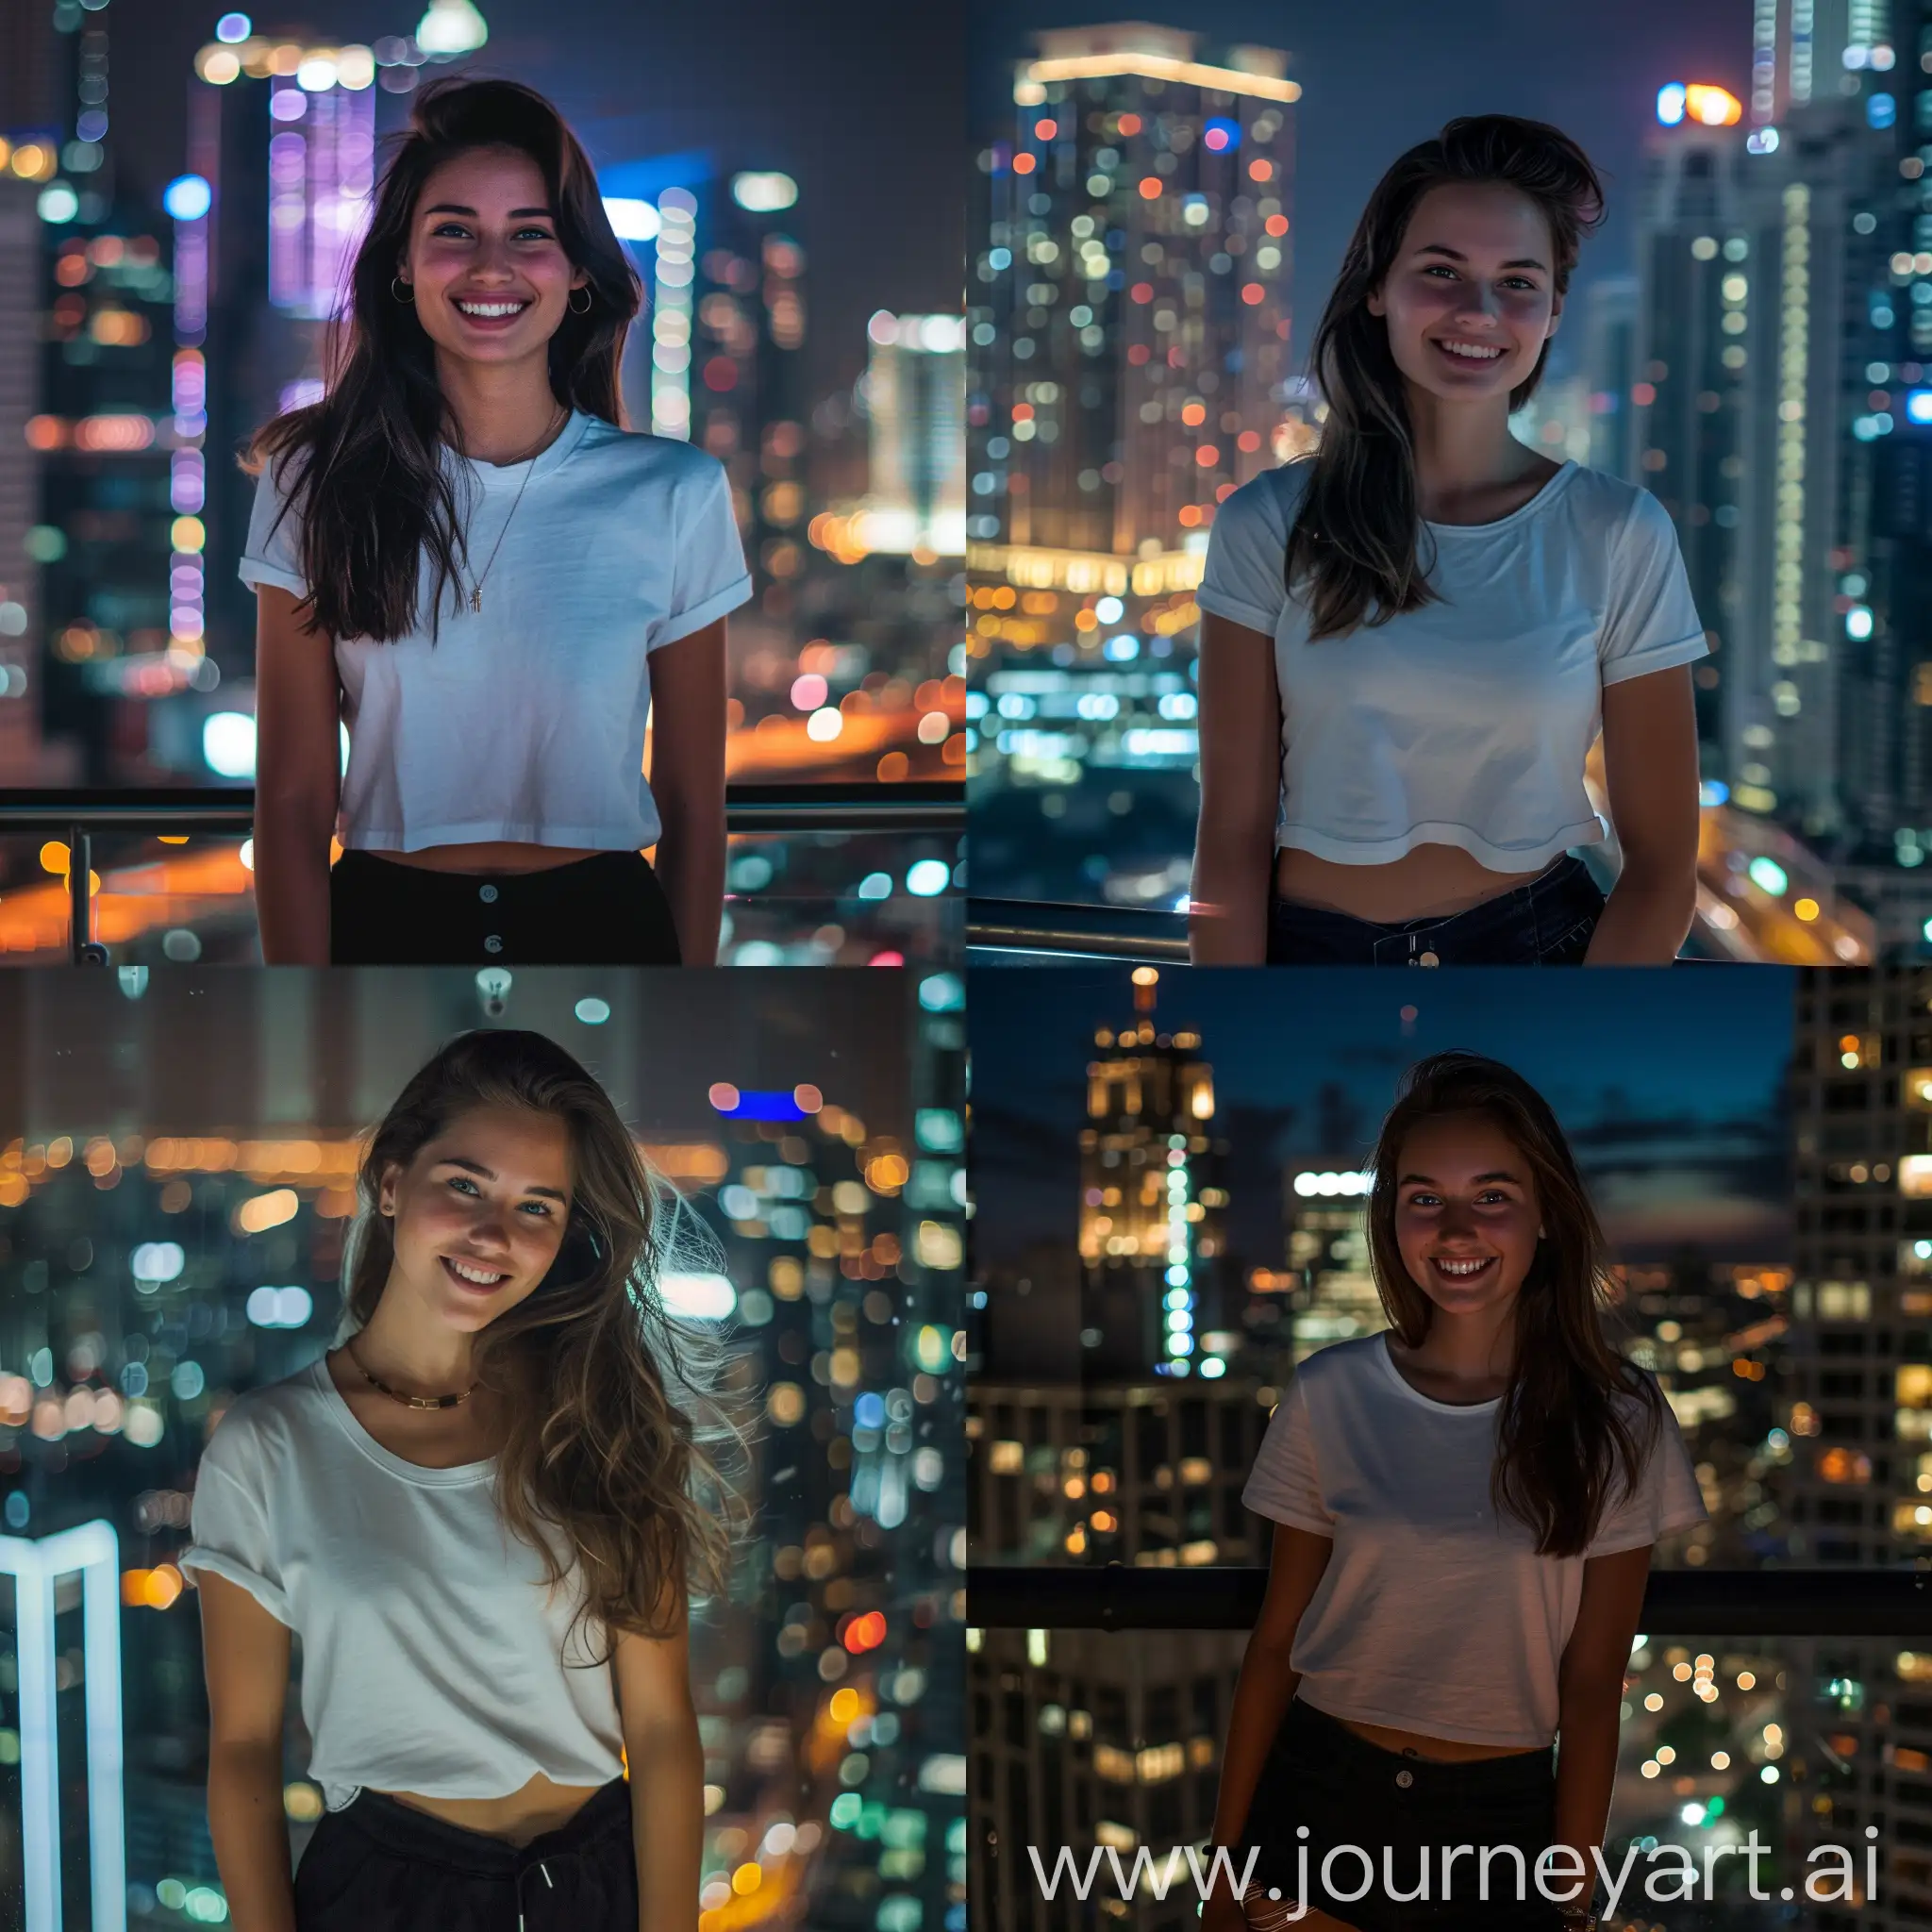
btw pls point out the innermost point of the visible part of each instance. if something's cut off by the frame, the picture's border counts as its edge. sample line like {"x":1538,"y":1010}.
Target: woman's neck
{"x":1477,"y":1350}
{"x":1463,"y":453}
{"x":407,"y":1348}
{"x":504,"y":412}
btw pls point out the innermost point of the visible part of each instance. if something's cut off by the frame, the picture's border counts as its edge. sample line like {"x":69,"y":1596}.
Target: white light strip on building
{"x":670,"y":313}
{"x":35,"y":1565}
{"x":1224,"y":80}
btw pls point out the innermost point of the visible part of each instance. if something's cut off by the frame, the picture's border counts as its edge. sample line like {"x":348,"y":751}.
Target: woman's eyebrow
{"x":1501,"y":1173}
{"x":1457,"y":255}
{"x":516,"y":214}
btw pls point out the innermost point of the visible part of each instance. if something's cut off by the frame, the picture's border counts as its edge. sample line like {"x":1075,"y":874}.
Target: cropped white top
{"x":1434,"y":1614}
{"x":525,"y":720}
{"x":433,"y":1657}
{"x":1466,"y":722}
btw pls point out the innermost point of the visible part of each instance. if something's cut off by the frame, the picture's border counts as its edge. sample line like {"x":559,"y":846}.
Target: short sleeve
{"x":709,"y":576}
{"x":1668,"y":1498}
{"x":1650,"y":619}
{"x":229,"y":1523}
{"x":1282,"y":1484}
{"x":1244,"y":579}
{"x":272,"y":553}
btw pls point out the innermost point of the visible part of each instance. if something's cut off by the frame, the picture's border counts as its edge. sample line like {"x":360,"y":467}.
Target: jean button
{"x":1405,"y":1778}
{"x":488,"y":894}
{"x":1428,"y":960}
{"x":493,"y":944}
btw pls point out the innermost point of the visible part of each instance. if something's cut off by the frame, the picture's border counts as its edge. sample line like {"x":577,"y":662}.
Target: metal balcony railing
{"x":997,"y":928}
{"x":1677,"y":1603}
{"x":928,"y":805}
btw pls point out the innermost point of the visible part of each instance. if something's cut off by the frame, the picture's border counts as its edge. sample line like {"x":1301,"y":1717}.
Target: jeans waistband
{"x":413,"y":1834}
{"x":429,"y":878}
{"x":1343,"y":1755}
{"x":1568,"y":874}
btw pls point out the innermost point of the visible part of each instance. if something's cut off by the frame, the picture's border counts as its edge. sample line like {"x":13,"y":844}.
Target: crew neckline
{"x":1414,"y":1393}
{"x":1551,"y":485}
{"x":500,"y":475}
{"x":458,"y":1477}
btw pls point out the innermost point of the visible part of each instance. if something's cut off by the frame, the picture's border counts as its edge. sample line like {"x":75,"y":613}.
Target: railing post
{"x":82,"y":949}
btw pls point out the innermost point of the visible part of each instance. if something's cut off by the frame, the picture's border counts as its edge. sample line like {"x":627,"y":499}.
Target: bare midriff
{"x":539,"y":1806}
{"x":1432,"y":881}
{"x":1440,"y":1750}
{"x":503,"y":855}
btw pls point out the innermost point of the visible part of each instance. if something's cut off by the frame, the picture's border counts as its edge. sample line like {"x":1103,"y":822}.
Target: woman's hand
{"x":688,"y":782}
{"x":298,"y":769}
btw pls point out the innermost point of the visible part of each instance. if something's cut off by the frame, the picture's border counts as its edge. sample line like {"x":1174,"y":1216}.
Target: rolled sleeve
{"x":1650,"y":618}
{"x":230,"y":1527}
{"x":709,"y":573}
{"x":1283,"y":1484}
{"x":1666,"y":1499}
{"x":272,"y":553}
{"x":1244,"y":578}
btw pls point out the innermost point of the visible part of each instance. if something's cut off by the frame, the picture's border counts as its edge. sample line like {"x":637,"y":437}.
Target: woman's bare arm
{"x":687,"y":781}
{"x":1650,"y":772}
{"x":1590,"y":1701}
{"x":297,"y":779}
{"x":245,"y":1652}
{"x":1241,"y":795}
{"x":666,"y":1760}
{"x":1262,"y":1694}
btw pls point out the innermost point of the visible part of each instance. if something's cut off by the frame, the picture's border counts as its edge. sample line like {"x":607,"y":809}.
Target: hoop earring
{"x":590,"y":300}
{"x":396,"y":282}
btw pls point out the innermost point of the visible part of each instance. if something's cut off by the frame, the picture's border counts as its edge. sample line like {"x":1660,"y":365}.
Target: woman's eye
{"x":541,"y":1207}
{"x":461,"y":1181}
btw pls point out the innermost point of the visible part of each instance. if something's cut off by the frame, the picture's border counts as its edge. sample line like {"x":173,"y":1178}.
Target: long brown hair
{"x":1352,"y":551}
{"x":365,"y":461}
{"x":598,"y":1445}
{"x":1563,"y":1434}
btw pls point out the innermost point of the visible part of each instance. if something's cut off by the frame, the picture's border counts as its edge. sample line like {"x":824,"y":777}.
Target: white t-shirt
{"x":1434,"y":1615}
{"x":1466,"y":722}
{"x":525,"y":720}
{"x":432,"y":1654}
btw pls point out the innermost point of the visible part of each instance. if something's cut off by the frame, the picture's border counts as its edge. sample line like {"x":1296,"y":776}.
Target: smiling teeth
{"x":1462,"y":1267}
{"x":492,"y":307}
{"x":1471,"y":351}
{"x":481,"y":1277}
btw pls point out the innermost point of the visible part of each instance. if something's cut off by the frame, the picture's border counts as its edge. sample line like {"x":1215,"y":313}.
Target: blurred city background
{"x":1169,"y":1170}
{"x":176,"y":1174}
{"x":1158,"y":212}
{"x":180,"y":192}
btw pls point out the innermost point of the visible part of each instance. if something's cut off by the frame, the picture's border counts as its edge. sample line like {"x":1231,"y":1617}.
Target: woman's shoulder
{"x":640,"y":457}
{"x":262,"y":1423}
{"x":1606,"y":506}
{"x":1267,"y":501}
{"x":1343,"y":1364}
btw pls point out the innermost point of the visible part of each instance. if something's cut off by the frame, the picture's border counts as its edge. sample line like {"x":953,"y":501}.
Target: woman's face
{"x":1466,"y":1213}
{"x":492,"y":281}
{"x":1469,"y":298}
{"x":479,"y":1214}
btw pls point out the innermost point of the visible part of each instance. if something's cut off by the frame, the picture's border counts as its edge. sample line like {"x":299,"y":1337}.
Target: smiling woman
{"x":482,"y":1513}
{"x":460,"y":554}
{"x":1412,"y":640}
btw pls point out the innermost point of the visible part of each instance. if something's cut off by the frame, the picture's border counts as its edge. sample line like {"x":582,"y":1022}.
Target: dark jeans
{"x":381,"y":1866}
{"x":1546,"y":922}
{"x":1347,"y":1791}
{"x":606,"y":910}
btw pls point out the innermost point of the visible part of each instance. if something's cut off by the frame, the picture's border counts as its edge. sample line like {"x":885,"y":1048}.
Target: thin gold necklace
{"x":476,"y":583}
{"x":409,"y":1401}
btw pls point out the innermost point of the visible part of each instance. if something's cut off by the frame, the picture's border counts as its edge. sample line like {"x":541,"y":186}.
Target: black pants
{"x":1546,"y":922}
{"x":606,"y":910}
{"x":382,"y":1866}
{"x":1347,"y":1791}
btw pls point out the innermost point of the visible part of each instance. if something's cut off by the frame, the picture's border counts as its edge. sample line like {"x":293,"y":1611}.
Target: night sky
{"x":1378,"y":76}
{"x":1670,"y":1084}
{"x":862,"y":104}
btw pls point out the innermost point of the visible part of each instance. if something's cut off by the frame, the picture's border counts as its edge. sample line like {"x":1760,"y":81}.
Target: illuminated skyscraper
{"x":20,"y":577}
{"x":915,"y":391}
{"x":1687,"y":396}
{"x":1150,"y":1204}
{"x":1856,"y":1481}
{"x":1335,"y":1296}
